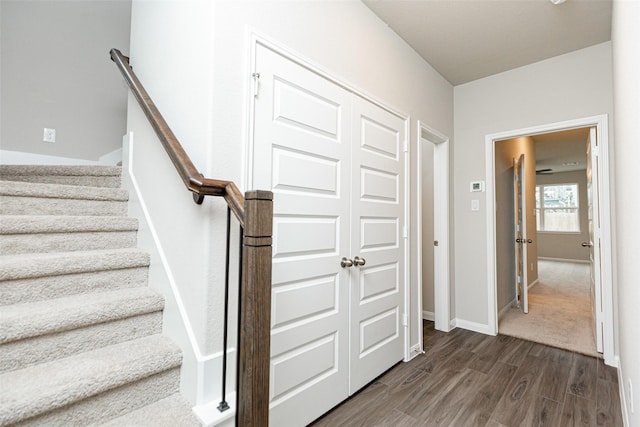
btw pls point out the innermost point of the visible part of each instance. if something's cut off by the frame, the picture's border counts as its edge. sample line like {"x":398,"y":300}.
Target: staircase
{"x":80,"y":330}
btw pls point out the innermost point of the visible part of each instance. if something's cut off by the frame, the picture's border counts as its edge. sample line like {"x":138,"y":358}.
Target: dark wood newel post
{"x":255,"y":311}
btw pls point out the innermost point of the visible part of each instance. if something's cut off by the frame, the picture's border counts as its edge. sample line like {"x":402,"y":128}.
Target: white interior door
{"x":593,"y":203}
{"x":302,"y":138}
{"x":335,"y":165}
{"x":377,"y":288}
{"x":520,"y":221}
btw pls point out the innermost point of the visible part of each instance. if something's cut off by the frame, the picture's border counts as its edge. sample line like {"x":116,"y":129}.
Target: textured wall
{"x":56,"y":73}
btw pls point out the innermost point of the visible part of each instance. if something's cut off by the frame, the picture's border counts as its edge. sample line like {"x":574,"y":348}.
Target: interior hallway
{"x":469,"y":379}
{"x":560,"y":312}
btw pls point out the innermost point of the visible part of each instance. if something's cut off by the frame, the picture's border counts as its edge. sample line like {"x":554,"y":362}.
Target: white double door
{"x":335,"y":163}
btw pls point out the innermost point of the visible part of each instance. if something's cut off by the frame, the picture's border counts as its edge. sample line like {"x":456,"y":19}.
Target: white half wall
{"x":570,"y":86}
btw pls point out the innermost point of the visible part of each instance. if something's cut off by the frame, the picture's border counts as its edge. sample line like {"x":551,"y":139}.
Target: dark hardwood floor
{"x":470,"y":379}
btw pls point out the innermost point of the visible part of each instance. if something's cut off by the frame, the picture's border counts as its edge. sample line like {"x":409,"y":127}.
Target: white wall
{"x":575,"y":85}
{"x":626,"y":67}
{"x":193,"y":58}
{"x":56,"y":73}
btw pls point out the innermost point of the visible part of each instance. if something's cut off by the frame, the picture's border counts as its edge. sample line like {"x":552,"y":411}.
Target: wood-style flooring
{"x":469,"y":379}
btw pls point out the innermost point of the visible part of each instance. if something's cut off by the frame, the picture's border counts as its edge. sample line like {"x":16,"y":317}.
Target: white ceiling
{"x":465,"y":40}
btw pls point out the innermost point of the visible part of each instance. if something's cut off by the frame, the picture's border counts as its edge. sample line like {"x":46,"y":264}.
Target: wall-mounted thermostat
{"x":477,"y":186}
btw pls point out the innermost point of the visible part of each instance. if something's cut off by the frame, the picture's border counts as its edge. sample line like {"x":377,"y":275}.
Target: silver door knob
{"x":359,"y":262}
{"x":346,"y":262}
{"x":586,"y":244}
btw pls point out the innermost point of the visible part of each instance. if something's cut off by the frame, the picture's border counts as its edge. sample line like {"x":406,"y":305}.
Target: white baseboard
{"x":623,"y":394}
{"x":8,"y":157}
{"x":471,"y":326}
{"x":113,"y":158}
{"x":414,"y":351}
{"x":581,"y":261}
{"x":532,"y":284}
{"x":210,"y":416}
{"x":507,"y":307}
{"x":428,"y":315}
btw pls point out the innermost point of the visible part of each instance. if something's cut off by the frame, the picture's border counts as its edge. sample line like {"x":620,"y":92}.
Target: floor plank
{"x":584,"y":375}
{"x":608,"y":409}
{"x":577,"y":411}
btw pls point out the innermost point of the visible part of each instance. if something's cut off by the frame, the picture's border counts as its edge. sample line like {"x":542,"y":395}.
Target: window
{"x":557,"y":208}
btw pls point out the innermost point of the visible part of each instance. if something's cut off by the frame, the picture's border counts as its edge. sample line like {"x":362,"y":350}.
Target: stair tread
{"x":21,"y":266}
{"x":71,"y":170}
{"x":172,"y":411}
{"x":61,"y":191}
{"x":41,"y":388}
{"x":23,"y":224}
{"x":25,"y":320}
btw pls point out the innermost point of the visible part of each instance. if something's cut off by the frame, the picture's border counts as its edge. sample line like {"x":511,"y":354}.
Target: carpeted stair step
{"x":93,"y":176}
{"x":172,"y":411}
{"x":44,"y":348}
{"x":50,"y":233}
{"x":47,"y":330}
{"x":91,"y":387}
{"x":34,"y":277}
{"x":26,"y":198}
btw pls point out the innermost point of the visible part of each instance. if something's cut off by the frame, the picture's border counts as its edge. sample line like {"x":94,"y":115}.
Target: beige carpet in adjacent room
{"x":559,"y":309}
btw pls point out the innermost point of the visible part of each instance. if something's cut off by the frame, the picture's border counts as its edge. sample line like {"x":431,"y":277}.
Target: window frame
{"x":539,"y":210}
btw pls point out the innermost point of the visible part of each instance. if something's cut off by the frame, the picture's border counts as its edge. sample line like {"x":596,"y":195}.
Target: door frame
{"x":441,"y":287}
{"x":254,"y":39}
{"x":601,"y":123}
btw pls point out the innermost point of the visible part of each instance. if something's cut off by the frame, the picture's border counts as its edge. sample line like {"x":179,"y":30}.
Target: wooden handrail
{"x":192,"y":178}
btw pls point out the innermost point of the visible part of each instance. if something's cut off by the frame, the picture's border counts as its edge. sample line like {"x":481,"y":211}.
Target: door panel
{"x":593,"y":202}
{"x":520,"y":221}
{"x":302,"y":138}
{"x":335,"y":164}
{"x":377,"y":218}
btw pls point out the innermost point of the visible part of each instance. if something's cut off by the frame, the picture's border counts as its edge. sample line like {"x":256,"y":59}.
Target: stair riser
{"x":23,"y":353}
{"x":66,"y":242}
{"x":15,"y":205}
{"x":90,"y":181}
{"x":49,"y":287}
{"x":110,"y":404}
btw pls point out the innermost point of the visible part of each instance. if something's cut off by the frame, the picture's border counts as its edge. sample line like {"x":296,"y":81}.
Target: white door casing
{"x":337,"y":193}
{"x":602,"y":186}
{"x":440,"y":208}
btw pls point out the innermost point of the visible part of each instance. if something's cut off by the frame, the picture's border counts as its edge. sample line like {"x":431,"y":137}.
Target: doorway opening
{"x":545,"y":297}
{"x":601,"y":231}
{"x":433,"y":230}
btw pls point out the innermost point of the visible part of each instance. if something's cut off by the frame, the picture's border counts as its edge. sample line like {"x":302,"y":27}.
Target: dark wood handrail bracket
{"x":254,"y":212}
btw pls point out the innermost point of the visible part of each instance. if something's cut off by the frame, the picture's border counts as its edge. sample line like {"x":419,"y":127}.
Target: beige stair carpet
{"x":80,"y":329}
